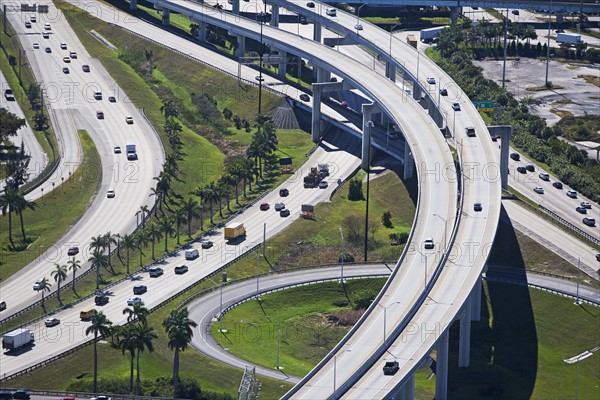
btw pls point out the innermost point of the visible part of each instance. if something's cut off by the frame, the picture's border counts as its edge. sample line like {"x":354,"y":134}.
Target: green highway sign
{"x":484,"y":105}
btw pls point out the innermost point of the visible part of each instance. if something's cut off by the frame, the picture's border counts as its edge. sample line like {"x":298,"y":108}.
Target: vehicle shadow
{"x":504,"y":343}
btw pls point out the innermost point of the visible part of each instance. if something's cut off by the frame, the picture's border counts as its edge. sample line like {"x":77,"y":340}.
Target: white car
{"x":37,"y":285}
{"x":129,"y":120}
{"x":36,"y":45}
{"x":544,"y":176}
{"x":134,"y":300}
{"x":572,"y":194}
{"x":110,"y":193}
{"x":431,"y":80}
{"x":585,"y":204}
{"x":539,"y":190}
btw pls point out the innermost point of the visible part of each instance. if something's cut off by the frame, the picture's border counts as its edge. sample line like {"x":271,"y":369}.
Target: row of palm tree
{"x":136,"y":336}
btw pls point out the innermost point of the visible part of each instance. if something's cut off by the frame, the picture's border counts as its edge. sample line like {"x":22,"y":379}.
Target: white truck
{"x":191,"y":254}
{"x":16,"y":339}
{"x":430,"y":34}
{"x":570,"y":38}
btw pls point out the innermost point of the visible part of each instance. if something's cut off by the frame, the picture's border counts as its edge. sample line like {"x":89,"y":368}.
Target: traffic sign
{"x":484,"y":105}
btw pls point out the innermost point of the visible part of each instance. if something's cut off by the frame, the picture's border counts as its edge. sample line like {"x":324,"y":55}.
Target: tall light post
{"x":391,"y":34}
{"x":445,"y":229}
{"x":505,"y":38}
{"x":385,"y":316}
{"x":577,"y":300}
{"x":548,"y":48}
{"x":370,"y":125}
{"x":343,"y":256}
{"x":425,"y":275}
{"x":260,"y":63}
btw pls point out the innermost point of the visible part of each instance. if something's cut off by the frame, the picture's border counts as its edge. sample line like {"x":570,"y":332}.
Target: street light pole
{"x":343,"y":256}
{"x":370,"y":125}
{"x":445,"y":229}
{"x":260,"y":64}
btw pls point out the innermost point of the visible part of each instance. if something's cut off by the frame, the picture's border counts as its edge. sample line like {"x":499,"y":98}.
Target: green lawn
{"x":517,"y":349}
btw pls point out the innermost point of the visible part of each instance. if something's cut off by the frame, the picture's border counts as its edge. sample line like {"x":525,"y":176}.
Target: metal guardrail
{"x":88,"y":394}
{"x":567,"y":224}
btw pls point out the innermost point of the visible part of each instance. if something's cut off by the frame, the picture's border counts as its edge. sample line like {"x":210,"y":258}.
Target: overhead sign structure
{"x":484,"y":105}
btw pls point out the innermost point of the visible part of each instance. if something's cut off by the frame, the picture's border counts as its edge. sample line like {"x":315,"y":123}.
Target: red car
{"x":73,"y":250}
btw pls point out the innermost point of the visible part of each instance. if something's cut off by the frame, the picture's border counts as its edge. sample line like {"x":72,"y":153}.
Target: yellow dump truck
{"x":234,"y":231}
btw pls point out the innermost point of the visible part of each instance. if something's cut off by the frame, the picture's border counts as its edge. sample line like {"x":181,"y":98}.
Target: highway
{"x":25,"y":135}
{"x":72,"y":106}
{"x":423,"y":148}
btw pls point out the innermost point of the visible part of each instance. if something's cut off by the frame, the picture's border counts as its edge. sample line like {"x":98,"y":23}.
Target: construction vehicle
{"x":316,"y":175}
{"x":234,"y":231}
{"x":307,"y":211}
{"x":18,"y":338}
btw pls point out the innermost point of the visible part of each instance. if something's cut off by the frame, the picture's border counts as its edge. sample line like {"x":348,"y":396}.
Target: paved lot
{"x":575,"y":95}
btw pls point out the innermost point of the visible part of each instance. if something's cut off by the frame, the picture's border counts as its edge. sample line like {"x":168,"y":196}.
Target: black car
{"x":390,"y":367}
{"x":284,"y":192}
{"x":304,"y":97}
{"x":522,"y":170}
{"x":530,"y":167}
{"x":515,"y":156}
{"x":140,"y":289}
{"x":181,"y":269}
{"x":5,"y":395}
{"x":101,"y":299}
{"x":48,"y":50}
{"x":443,"y":92}
{"x":558,"y":185}
{"x":21,"y":394}
{"x":65,"y":70}
{"x":477,"y":207}
{"x":310,"y":4}
{"x":598,"y":257}
{"x":581,"y":210}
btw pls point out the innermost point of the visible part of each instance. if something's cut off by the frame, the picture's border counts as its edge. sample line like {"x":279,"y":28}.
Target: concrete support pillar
{"x":282,"y":64}
{"x":274,"y":15}
{"x":322,"y":75}
{"x":132,"y":5}
{"x":367,"y":125}
{"x":464,"y":343}
{"x":166,"y":17}
{"x":505,"y":132}
{"x":316,"y":113}
{"x":454,"y":13}
{"x":476,"y":302}
{"x":416,"y":90}
{"x":390,"y":71}
{"x":317,"y":32}
{"x":409,"y":163}
{"x":407,"y":390}
{"x":241,"y":49}
{"x":235,"y":7}
{"x":441,"y":367}
{"x":201,"y":31}
{"x":560,"y":19}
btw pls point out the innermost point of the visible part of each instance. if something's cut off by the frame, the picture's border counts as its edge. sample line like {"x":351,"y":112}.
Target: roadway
{"x":24,"y":136}
{"x":423,"y":148}
{"x":69,"y":97}
{"x":207,"y":308}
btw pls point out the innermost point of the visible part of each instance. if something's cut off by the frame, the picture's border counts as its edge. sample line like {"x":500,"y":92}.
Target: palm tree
{"x":21,"y":204}
{"x":237,"y":171}
{"x":142,"y":337}
{"x":211,"y":194}
{"x":141,"y":240}
{"x":227,"y":182}
{"x":192,"y":210}
{"x":110,"y":238}
{"x":179,"y":218}
{"x":138,"y":313}
{"x":59,"y":274}
{"x":126,"y":343}
{"x":153,"y":234}
{"x":128,"y":243}
{"x":143,"y":211}
{"x":8,"y":203}
{"x":44,"y":286}
{"x":98,"y":243}
{"x":169,"y":110}
{"x":74,"y":265}
{"x":100,"y":326}
{"x":98,"y":259}
{"x":165,"y":224}
{"x":179,"y":329}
